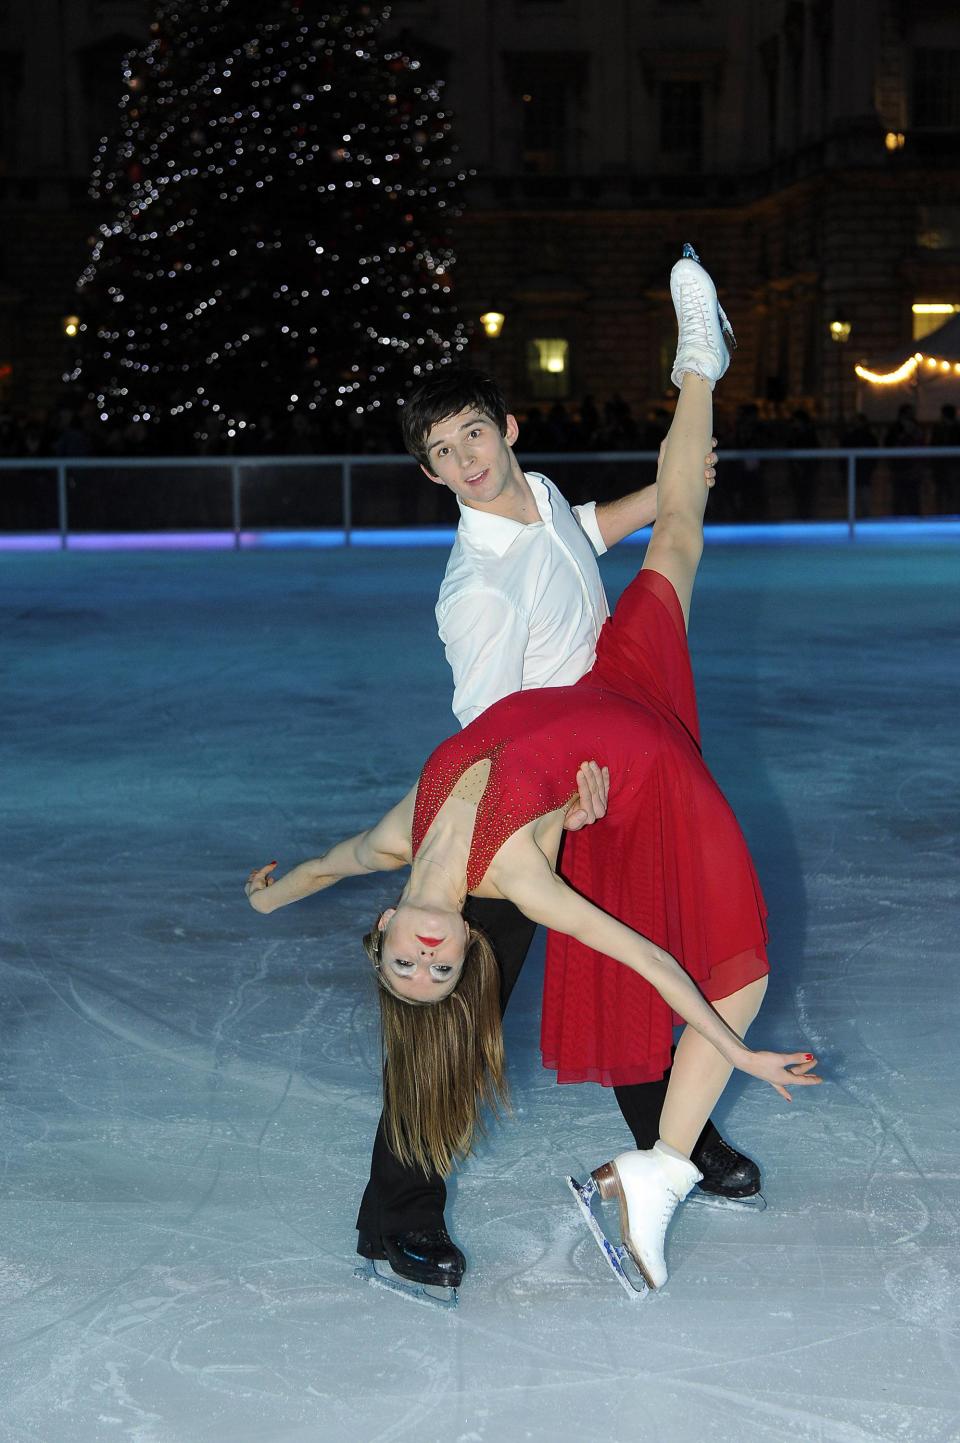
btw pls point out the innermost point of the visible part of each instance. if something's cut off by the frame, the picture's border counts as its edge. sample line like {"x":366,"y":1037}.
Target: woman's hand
{"x":256,"y":886}
{"x":782,"y":1069}
{"x":590,"y":803}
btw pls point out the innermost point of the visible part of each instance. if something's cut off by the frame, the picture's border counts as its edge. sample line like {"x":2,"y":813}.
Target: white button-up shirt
{"x":521,"y":605}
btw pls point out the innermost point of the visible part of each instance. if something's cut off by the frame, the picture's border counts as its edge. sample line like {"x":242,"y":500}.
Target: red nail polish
{"x":809,"y":1057}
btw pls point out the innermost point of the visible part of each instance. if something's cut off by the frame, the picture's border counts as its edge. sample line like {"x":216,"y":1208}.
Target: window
{"x":936,"y":89}
{"x":938,"y":227}
{"x":545,"y":87}
{"x":929,"y":316}
{"x":548,"y":368}
{"x":681,"y":120}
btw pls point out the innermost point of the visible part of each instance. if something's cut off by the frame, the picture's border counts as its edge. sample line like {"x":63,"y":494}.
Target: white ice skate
{"x":615,"y":1255}
{"x":648,"y":1187}
{"x":706,"y":337}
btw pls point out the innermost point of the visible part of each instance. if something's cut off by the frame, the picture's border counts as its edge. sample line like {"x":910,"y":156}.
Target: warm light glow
{"x":71,"y":325}
{"x":892,"y":378}
{"x":840,"y":330}
{"x":552,"y":355}
{"x":492,"y":322}
{"x":894,"y":140}
{"x":934,"y":308}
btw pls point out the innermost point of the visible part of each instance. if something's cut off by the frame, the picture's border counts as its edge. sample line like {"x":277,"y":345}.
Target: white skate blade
{"x":756,"y":1203}
{"x":615,"y":1255}
{"x":380,"y":1273}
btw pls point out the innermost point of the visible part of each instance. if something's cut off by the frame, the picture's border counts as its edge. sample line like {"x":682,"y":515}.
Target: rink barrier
{"x":241,"y":536}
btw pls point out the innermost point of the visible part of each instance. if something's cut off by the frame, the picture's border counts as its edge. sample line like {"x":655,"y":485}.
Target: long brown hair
{"x":442,"y":1061}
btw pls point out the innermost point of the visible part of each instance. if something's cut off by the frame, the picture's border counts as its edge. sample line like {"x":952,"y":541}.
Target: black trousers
{"x":405,"y":1199}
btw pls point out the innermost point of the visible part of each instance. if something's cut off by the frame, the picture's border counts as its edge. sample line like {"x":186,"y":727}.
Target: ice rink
{"x":190,"y":1090}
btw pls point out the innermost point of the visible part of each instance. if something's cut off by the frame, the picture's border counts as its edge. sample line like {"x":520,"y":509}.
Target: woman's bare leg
{"x":699,"y":1072}
{"x":676,"y":544}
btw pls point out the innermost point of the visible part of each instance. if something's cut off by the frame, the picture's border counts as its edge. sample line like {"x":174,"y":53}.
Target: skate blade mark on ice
{"x":615,"y":1255}
{"x":380,"y":1273}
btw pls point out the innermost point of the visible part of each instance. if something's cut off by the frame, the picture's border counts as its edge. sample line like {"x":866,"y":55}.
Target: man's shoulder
{"x":471,"y":569}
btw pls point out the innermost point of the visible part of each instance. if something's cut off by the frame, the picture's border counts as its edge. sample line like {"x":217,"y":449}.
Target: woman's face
{"x":423,"y":950}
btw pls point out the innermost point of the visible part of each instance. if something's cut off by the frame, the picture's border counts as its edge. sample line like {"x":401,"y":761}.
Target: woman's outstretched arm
{"x":545,"y":898}
{"x":381,"y":848}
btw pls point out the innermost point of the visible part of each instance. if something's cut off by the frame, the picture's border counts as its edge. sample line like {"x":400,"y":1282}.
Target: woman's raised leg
{"x":704,"y":342}
{"x":676,"y":544}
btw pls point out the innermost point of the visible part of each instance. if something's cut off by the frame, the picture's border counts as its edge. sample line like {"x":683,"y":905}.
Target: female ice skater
{"x":675,"y":922}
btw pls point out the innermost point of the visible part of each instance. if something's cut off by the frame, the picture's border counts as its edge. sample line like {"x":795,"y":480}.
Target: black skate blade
{"x":755,"y":1203}
{"x":615,"y":1255}
{"x":380,"y":1273}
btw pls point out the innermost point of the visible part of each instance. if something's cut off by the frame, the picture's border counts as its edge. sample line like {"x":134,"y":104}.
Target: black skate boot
{"x":426,"y":1264}
{"x":729,"y":1177}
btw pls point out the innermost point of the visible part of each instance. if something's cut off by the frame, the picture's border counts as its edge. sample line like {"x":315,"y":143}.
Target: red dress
{"x":669,"y":859}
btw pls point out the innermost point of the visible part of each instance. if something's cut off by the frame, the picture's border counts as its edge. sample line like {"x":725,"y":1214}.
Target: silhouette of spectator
{"x":859,"y":434}
{"x":558,"y":428}
{"x":801,"y":435}
{"x":589,"y":423}
{"x":655,"y":427}
{"x":907,"y":473}
{"x":946,"y":432}
{"x":533,"y":432}
{"x":741,"y":491}
{"x":72,"y":440}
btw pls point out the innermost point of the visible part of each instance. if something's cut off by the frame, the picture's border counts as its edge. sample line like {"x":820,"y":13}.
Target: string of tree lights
{"x":282,"y":182}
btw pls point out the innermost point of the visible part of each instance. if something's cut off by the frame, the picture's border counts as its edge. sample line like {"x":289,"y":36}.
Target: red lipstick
{"x":428,"y":941}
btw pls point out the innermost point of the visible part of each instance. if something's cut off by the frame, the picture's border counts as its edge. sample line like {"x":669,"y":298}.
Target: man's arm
{"x":617,"y":519}
{"x":485,"y":638}
{"x":620,"y":518}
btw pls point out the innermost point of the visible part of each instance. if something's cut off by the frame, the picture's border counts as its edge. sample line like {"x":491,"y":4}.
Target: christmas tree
{"x":282,"y":184}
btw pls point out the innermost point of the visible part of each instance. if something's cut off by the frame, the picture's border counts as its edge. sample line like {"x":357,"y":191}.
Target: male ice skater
{"x":521,"y":605}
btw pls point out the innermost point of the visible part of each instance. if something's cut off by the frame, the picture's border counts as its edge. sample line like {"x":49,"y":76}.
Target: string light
{"x":907,"y":369}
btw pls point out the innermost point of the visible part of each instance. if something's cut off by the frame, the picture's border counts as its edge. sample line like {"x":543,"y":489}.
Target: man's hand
{"x":709,"y":462}
{"x":256,"y":886}
{"x":590,"y":803}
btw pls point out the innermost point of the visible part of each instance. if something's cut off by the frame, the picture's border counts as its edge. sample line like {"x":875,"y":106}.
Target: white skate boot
{"x":706,"y":336}
{"x":648,"y":1187}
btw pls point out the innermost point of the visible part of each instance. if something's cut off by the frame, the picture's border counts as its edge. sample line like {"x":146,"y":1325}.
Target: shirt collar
{"x":498,"y":533}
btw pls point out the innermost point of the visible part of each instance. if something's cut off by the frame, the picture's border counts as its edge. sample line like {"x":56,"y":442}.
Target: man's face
{"x":467,"y":453}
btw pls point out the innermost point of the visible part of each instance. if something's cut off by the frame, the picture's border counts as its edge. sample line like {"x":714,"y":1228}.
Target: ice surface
{"x":190,"y":1090}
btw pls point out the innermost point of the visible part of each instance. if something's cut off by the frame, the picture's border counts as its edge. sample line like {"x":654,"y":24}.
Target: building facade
{"x":809,"y":148}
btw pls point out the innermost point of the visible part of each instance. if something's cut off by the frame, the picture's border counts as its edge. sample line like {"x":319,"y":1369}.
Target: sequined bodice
{"x":535,"y":741}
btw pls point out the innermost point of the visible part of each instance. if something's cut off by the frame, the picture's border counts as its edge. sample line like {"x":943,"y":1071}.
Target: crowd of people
{"x":75,"y":430}
{"x":801,"y":489}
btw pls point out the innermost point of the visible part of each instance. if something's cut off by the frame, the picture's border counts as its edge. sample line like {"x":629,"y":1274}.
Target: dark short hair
{"x":447,"y":394}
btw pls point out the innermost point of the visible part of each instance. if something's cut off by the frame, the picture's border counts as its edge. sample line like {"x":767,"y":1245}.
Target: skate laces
{"x":670,"y":1205}
{"x":695,"y":319}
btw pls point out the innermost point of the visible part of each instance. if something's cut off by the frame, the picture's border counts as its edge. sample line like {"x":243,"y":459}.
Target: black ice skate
{"x":426,"y":1266}
{"x":730,"y":1178}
